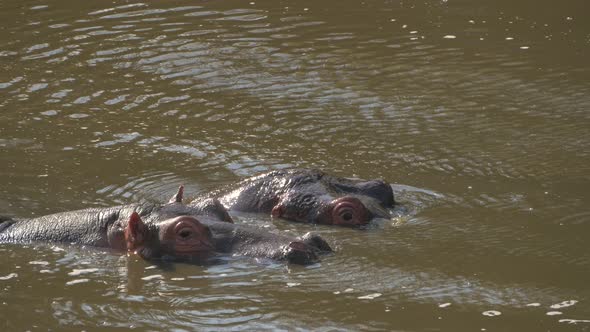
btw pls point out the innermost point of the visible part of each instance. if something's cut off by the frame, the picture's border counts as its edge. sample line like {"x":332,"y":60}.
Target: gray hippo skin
{"x":172,"y":231}
{"x":312,"y":196}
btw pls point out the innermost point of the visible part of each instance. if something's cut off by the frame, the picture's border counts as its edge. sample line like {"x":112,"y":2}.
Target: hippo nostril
{"x":300,"y":253}
{"x":297,"y":245}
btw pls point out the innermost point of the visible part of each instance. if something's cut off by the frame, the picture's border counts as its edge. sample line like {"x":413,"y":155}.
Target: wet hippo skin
{"x":309,"y":195}
{"x":171,"y":231}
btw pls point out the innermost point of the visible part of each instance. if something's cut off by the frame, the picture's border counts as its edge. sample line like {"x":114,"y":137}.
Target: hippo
{"x":309,"y":196}
{"x":172,"y":231}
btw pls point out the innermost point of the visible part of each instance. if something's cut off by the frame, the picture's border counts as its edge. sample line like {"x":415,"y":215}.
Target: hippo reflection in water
{"x":311,"y":196}
{"x":172,"y":231}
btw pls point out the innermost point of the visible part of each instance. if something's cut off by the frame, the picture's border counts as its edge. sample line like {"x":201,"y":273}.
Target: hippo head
{"x":178,"y":238}
{"x":335,"y":201}
{"x":209,"y":206}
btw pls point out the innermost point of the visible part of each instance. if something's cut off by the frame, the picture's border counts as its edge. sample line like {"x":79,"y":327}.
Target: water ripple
{"x":484,"y":105}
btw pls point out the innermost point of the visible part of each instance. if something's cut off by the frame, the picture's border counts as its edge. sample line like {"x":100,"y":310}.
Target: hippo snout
{"x":317,"y":242}
{"x":379,"y":190}
{"x":298,"y":252}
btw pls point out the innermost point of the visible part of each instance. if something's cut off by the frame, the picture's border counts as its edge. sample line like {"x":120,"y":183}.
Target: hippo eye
{"x":185,"y":233}
{"x":347,"y":216}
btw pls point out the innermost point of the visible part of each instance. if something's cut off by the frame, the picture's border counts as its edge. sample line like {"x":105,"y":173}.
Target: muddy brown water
{"x":478,"y":113}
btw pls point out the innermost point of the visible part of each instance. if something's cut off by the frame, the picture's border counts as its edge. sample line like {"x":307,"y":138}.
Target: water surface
{"x":477,"y":112}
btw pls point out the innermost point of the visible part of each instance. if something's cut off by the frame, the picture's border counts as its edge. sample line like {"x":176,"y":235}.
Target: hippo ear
{"x":212,"y":206}
{"x":277,"y":211}
{"x":177,"y":198}
{"x":135,"y":232}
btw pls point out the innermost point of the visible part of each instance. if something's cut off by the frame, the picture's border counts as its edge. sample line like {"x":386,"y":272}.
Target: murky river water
{"x":477,"y":111}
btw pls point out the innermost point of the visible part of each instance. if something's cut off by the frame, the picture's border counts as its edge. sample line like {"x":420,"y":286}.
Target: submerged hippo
{"x":307,"y":195}
{"x":164,"y":231}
